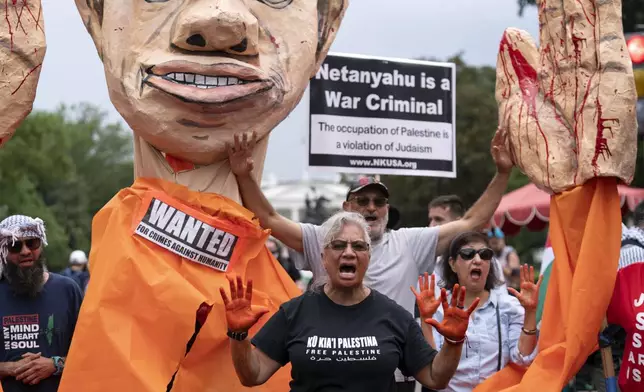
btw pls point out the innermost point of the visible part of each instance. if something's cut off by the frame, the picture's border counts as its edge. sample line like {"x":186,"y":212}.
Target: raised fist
{"x":22,"y":50}
{"x":569,"y":106}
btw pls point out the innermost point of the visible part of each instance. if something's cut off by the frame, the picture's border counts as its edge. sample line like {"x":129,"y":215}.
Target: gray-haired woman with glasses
{"x":342,"y":336}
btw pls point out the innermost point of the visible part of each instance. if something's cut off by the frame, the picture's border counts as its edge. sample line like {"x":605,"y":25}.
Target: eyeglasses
{"x":32,"y":244}
{"x":358,"y":246}
{"x":364,"y":201}
{"x":485,"y":254}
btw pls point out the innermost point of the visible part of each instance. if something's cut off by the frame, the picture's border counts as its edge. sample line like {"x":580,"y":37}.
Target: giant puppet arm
{"x":569,"y":106}
{"x":22,"y":50}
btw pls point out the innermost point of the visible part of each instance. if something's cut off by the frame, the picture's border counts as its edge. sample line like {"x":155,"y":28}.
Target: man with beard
{"x":398,"y":256}
{"x":38,"y":310}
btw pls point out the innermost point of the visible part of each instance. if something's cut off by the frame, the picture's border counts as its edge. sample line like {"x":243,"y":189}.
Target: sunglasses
{"x":485,"y":254}
{"x":358,"y":246}
{"x":364,"y":201}
{"x":32,"y":244}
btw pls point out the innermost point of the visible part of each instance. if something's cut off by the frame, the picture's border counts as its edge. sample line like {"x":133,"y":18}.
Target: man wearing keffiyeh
{"x":23,"y":267}
{"x":38,"y":309}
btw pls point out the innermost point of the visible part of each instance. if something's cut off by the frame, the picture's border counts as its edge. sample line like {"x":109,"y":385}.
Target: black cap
{"x":366,"y":182}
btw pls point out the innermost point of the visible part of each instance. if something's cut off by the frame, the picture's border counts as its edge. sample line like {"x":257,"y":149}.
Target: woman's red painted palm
{"x":529,"y":296}
{"x":240,"y":314}
{"x":455,"y":318}
{"x":426,"y":300}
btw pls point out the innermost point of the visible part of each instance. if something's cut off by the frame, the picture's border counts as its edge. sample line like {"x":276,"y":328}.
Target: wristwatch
{"x":59,"y":363}
{"x":237,"y":335}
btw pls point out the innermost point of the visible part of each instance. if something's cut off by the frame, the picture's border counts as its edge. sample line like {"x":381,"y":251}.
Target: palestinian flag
{"x":546,"y":268}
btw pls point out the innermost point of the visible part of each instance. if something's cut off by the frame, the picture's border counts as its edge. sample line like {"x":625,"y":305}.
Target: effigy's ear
{"x":91,"y":11}
{"x":330,"y":14}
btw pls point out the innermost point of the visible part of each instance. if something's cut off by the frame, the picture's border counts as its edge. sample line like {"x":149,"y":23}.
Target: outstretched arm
{"x":241,"y":163}
{"x":21,"y":56}
{"x":251,"y":365}
{"x":483,"y":210}
{"x":529,"y":299}
{"x":453,"y":328}
{"x":427,"y":305}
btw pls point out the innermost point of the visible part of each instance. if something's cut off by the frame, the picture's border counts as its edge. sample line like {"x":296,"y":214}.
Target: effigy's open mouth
{"x":207,"y":84}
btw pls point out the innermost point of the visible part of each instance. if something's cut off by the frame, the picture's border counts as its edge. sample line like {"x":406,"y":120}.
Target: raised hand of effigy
{"x":22,"y":50}
{"x":569,"y":106}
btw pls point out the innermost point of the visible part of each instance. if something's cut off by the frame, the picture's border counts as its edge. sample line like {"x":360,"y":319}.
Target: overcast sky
{"x":72,"y":72}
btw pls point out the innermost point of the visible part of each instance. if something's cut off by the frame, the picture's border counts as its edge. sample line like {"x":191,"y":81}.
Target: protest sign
{"x":376,"y":115}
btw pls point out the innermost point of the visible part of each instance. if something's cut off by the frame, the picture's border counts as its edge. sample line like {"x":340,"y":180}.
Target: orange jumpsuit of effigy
{"x":148,"y":296}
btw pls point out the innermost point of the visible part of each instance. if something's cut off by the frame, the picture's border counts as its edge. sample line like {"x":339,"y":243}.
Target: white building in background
{"x":288,"y":197}
{"x":289,"y":200}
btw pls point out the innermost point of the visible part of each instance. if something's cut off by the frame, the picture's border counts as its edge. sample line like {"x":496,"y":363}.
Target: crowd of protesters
{"x":446,"y":305}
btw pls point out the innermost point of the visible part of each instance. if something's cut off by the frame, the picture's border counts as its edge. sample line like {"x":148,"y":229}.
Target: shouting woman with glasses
{"x":344,"y":336}
{"x":503,"y":328}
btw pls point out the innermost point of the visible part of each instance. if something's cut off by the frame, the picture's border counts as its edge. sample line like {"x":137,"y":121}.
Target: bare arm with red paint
{"x":529,"y":299}
{"x":453,"y":328}
{"x":569,"y":106}
{"x":21,"y":55}
{"x":427,"y":304}
{"x":252,"y":366}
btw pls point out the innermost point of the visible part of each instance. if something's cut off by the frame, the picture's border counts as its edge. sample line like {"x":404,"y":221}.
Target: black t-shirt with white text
{"x":344,"y":348}
{"x":43,"y":324}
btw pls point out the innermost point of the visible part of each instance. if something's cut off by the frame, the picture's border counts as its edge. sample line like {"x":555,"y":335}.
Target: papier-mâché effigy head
{"x":22,"y":50}
{"x":188,"y":74}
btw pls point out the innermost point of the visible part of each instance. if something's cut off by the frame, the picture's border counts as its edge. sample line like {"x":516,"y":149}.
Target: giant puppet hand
{"x":240,"y":315}
{"x":22,"y":50}
{"x":455,"y":318}
{"x":569,"y":106}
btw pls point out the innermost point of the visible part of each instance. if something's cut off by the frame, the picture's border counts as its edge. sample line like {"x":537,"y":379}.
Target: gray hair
{"x":331,"y":228}
{"x":334,"y":225}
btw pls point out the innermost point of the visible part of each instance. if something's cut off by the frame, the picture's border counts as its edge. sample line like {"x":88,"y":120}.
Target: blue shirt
{"x":479,"y":357}
{"x":43,"y":324}
{"x":80,"y":277}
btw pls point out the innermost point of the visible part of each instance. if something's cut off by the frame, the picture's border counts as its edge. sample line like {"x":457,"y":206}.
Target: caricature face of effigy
{"x":188,"y":74}
{"x":22,"y":50}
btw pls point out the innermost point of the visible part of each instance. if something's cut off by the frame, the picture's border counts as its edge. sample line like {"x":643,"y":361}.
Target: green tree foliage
{"x":63,"y":166}
{"x":632,"y":13}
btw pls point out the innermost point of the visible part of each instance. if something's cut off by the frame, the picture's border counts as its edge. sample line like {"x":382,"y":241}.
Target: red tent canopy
{"x":529,"y":206}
